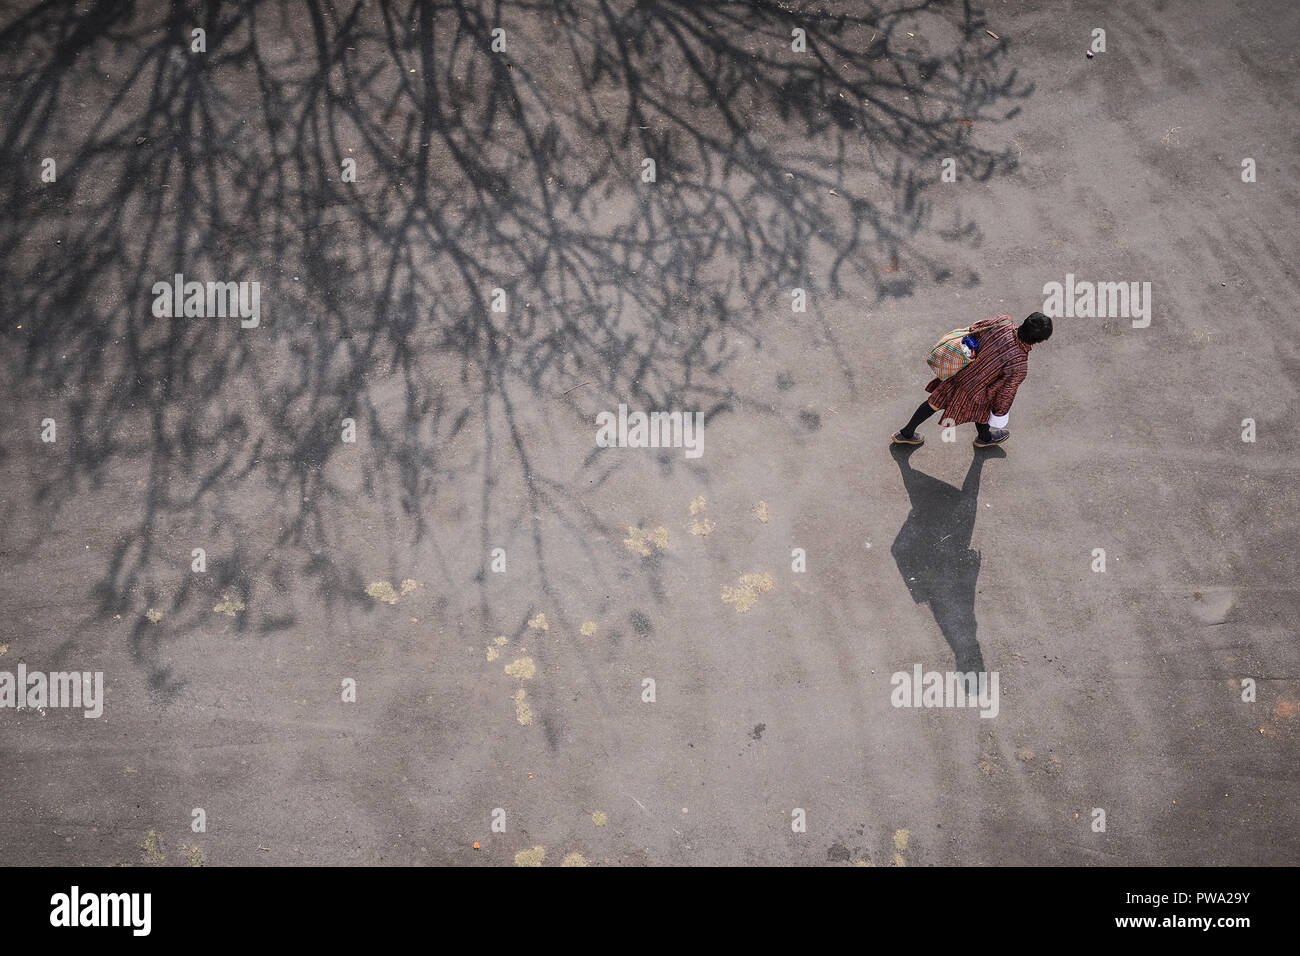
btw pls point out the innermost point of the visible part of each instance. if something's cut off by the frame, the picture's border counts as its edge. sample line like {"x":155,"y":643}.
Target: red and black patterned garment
{"x":987,"y":386}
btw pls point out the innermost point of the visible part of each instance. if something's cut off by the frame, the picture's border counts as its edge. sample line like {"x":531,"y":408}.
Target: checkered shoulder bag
{"x":950,"y":354}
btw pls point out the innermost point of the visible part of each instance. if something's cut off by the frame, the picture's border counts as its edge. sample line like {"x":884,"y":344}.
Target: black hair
{"x":1036,"y":328}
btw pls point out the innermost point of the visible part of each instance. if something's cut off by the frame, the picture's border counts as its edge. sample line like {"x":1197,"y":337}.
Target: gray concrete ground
{"x":522,"y":170}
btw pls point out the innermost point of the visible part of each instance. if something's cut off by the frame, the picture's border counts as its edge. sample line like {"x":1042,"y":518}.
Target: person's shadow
{"x":934,"y":554}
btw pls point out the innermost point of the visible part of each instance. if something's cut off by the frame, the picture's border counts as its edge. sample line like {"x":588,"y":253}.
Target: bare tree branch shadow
{"x":477,"y":171}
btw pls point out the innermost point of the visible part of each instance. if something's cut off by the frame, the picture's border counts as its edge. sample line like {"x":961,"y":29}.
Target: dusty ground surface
{"x":522,"y":170}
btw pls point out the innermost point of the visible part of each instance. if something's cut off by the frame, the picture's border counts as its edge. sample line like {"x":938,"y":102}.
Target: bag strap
{"x":999,"y":320}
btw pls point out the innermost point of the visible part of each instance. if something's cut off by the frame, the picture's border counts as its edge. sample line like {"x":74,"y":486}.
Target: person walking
{"x":983,"y":391}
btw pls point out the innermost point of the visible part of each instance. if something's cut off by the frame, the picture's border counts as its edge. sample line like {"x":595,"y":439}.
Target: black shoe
{"x":996,"y":437}
{"x":898,"y":439}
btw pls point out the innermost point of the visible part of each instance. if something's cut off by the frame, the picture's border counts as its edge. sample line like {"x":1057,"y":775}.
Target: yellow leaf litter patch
{"x":154,"y":615}
{"x":409,"y":585}
{"x":760,"y":511}
{"x":574,"y":859}
{"x":153,"y":852}
{"x":533,"y":857}
{"x":588,"y":629}
{"x":746,"y":593}
{"x":900,"y":844}
{"x":643,"y":540}
{"x":599,"y":818}
{"x":701,"y":525}
{"x":228,"y":607}
{"x":383,"y":591}
{"x":523,"y":713}
{"x":539,"y":623}
{"x":524,"y":668}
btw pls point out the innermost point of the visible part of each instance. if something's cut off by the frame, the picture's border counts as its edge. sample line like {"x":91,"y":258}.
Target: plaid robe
{"x":987,"y":386}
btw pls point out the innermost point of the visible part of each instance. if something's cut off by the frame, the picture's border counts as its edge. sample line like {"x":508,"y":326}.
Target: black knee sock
{"x":923,"y":411}
{"x":983,"y":429}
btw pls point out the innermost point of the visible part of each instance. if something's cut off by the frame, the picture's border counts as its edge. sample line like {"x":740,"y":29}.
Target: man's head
{"x":1036,"y":328}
